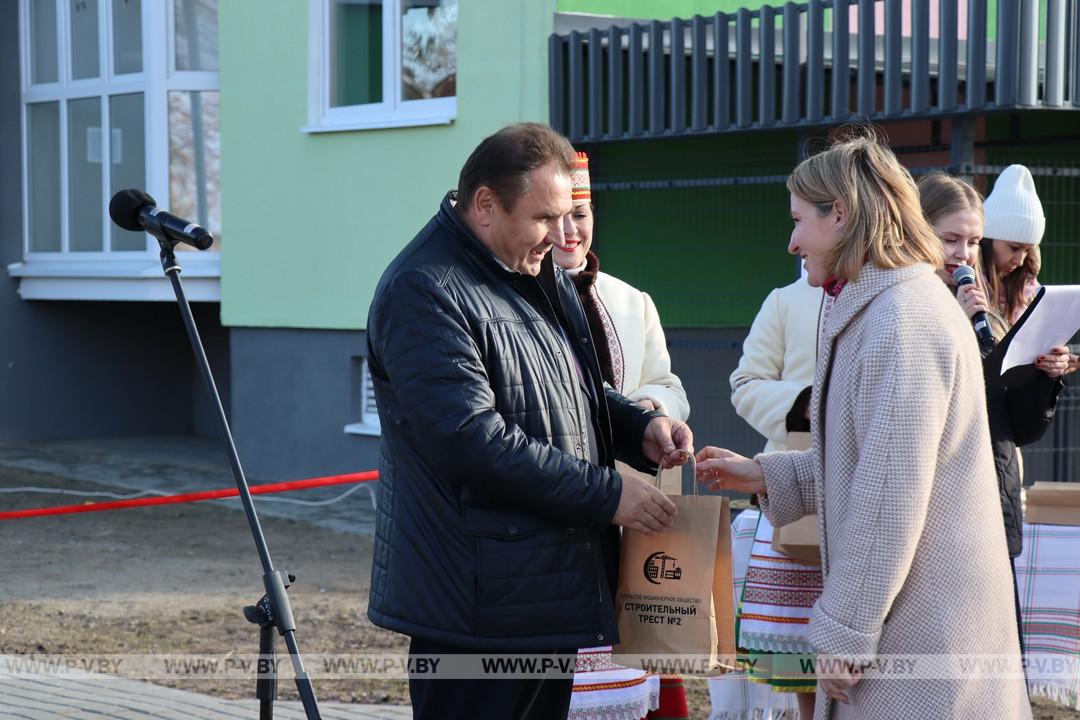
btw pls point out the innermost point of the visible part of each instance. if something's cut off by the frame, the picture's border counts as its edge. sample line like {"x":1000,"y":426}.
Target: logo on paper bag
{"x":661,"y":566}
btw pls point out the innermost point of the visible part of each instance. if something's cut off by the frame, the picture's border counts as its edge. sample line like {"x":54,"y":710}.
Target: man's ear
{"x":484,"y":203}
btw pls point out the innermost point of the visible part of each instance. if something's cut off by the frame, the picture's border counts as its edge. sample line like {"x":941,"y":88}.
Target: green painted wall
{"x":661,"y":9}
{"x":707,"y":255}
{"x":313,"y":219}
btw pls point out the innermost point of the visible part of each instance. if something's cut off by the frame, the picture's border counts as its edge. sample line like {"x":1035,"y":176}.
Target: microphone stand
{"x":272,"y":611}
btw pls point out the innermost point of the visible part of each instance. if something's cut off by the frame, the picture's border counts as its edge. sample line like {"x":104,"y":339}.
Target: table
{"x":1048,"y":576}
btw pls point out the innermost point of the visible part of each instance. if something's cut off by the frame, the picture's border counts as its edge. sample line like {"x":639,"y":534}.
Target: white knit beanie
{"x":1013,"y":212}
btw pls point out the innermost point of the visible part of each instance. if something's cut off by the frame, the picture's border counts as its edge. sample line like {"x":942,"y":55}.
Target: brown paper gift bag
{"x":799,"y":540}
{"x":675,"y":588}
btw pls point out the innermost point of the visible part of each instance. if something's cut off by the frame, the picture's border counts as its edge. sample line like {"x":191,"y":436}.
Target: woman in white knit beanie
{"x":1010,"y":247}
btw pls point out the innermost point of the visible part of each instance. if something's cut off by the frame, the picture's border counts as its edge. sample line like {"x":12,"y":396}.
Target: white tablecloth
{"x":605,"y":691}
{"x":1048,"y":576}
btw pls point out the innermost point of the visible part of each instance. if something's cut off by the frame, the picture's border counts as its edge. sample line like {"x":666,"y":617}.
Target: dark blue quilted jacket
{"x":493,"y":528}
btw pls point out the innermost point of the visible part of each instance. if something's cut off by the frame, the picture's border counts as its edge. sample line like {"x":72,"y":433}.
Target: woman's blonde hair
{"x":942,"y":195}
{"x":884,"y":224}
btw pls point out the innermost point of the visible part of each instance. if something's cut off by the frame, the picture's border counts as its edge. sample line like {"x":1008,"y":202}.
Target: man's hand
{"x":643,"y":507}
{"x":724,"y":470}
{"x":668,"y":442}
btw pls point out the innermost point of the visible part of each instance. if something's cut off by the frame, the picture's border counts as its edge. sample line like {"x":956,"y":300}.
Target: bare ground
{"x":173,"y":579}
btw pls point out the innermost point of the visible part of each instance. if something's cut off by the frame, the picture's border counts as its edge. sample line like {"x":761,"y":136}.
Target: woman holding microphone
{"x":1018,"y":415}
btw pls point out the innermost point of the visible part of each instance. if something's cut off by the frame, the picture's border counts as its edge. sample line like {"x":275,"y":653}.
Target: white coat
{"x":639,"y":355}
{"x":778,"y":360}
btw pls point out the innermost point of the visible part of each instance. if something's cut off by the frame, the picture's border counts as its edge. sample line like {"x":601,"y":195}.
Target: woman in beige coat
{"x":900,"y":472}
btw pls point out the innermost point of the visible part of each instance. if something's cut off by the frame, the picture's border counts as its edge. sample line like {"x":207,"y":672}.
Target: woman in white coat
{"x":776,"y":370}
{"x":634,"y":359}
{"x":632,"y":351}
{"x":900,"y":472}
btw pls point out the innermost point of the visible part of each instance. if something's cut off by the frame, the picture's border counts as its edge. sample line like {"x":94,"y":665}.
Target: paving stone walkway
{"x":89,"y":696}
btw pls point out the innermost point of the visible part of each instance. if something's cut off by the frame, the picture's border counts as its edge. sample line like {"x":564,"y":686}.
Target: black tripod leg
{"x":266,"y":684}
{"x":303,"y":681}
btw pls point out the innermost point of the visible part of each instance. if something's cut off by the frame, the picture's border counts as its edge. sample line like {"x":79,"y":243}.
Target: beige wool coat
{"x":902,"y":479}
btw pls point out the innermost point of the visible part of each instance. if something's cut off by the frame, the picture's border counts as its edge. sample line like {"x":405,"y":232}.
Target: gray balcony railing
{"x":779,"y":67}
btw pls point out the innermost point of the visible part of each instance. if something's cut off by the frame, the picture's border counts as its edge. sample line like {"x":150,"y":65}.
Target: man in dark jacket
{"x":498,"y":499}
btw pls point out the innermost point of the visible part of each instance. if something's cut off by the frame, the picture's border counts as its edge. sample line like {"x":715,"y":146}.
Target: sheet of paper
{"x":1053,"y":321}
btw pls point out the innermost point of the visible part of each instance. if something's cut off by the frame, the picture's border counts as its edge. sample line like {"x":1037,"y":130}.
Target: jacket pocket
{"x":531,"y":571}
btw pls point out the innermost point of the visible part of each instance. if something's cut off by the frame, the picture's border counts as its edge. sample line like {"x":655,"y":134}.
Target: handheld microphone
{"x":135,"y":210}
{"x":964,"y":275}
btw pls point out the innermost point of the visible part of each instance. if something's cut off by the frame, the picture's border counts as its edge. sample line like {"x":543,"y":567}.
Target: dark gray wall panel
{"x":704,"y":360}
{"x":293,"y":393}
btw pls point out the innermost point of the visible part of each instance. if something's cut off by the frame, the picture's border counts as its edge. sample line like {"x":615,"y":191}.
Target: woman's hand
{"x":1057,"y":362}
{"x":972,"y":299}
{"x":836,"y":677}
{"x":721,"y":469}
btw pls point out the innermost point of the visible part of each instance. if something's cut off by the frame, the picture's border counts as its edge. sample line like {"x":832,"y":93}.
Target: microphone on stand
{"x":135,"y":210}
{"x":965,"y":275}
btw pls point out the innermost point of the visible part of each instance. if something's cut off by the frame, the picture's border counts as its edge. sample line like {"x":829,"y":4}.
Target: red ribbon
{"x":193,"y":497}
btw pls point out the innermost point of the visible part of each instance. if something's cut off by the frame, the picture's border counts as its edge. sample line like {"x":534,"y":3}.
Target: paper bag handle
{"x":692,"y":465}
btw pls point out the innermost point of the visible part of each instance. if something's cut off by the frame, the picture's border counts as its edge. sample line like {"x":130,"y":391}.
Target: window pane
{"x":43,"y":41}
{"x":356,"y":47}
{"x":196,"y":34}
{"x":128,"y":168}
{"x":428,"y":49}
{"x":195,"y":160}
{"x":84,"y":39}
{"x":43,"y":163}
{"x":127,"y":36}
{"x":85,"y":203}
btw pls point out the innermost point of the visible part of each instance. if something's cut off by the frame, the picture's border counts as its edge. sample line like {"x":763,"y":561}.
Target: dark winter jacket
{"x":1019,"y":414}
{"x":493,"y":528}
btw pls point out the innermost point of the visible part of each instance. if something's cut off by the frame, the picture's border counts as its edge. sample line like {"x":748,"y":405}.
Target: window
{"x":364,"y":401}
{"x":115,"y":94}
{"x":382,"y":63}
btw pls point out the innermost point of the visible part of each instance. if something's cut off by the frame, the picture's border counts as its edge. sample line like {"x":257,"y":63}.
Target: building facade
{"x":315,"y":137}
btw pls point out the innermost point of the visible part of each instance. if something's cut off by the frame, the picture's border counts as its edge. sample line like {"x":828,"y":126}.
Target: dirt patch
{"x":173,"y":579}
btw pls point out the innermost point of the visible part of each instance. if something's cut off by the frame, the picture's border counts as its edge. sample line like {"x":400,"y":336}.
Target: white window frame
{"x":369,"y":414}
{"x":111,"y":274}
{"x":393,"y":111}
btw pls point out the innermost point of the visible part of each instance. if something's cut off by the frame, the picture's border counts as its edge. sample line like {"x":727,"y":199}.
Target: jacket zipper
{"x":562,"y":339}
